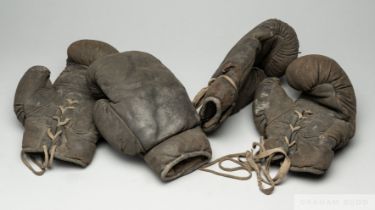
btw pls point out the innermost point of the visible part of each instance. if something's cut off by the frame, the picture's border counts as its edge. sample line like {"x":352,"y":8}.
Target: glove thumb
{"x":114,"y":129}
{"x":35,"y":78}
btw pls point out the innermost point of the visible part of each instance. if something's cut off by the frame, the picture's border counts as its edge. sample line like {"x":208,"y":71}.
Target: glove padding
{"x":265,"y":51}
{"x":318,"y":123}
{"x":58,"y":117}
{"x":146,"y":111}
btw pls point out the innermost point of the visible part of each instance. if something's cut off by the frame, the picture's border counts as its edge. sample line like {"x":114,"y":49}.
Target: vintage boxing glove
{"x":146,"y":111}
{"x":302,"y":134}
{"x":265,"y":51}
{"x":58,"y":117}
{"x":318,"y":123}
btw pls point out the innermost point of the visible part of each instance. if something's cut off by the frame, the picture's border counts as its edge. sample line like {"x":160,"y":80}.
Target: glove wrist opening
{"x":180,"y":154}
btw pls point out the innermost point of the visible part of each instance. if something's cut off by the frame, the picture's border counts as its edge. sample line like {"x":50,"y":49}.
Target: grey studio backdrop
{"x":191,"y":38}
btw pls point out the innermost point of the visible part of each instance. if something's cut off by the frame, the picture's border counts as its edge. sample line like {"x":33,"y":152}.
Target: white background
{"x":191,"y":38}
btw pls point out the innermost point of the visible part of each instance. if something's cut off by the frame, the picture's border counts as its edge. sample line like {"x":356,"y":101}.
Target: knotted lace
{"x":259,"y":159}
{"x":49,"y":152}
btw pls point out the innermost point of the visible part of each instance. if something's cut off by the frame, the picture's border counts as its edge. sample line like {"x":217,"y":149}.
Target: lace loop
{"x":257,"y":161}
{"x":42,"y":166}
{"x":49,"y":153}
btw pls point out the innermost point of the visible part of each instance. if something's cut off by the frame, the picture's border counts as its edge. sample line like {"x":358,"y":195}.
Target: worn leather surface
{"x":41,"y":105}
{"x":144,"y":110}
{"x":264,"y":51}
{"x":319,"y":122}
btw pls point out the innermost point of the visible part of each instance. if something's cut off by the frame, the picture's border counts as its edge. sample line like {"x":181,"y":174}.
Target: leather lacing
{"x":49,"y":152}
{"x":258,"y":159}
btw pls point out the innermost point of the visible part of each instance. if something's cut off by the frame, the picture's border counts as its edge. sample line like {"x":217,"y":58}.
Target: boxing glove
{"x":58,"y":117}
{"x":144,"y":110}
{"x":265,"y":51}
{"x":319,"y":122}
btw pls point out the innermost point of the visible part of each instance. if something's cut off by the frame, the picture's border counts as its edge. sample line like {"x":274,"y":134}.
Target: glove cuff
{"x":76,"y":148}
{"x":180,"y":154}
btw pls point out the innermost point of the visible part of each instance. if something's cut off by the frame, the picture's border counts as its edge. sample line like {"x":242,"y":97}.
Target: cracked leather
{"x":264,"y":51}
{"x":319,"y":122}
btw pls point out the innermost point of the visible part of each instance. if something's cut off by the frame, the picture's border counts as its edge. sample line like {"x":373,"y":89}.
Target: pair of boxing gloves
{"x":310,"y":129}
{"x":130,"y":98}
{"x":137,"y":105}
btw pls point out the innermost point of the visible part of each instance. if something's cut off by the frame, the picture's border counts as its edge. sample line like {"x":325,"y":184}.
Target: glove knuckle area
{"x":279,"y":49}
{"x":112,"y":76}
{"x":114,"y":129}
{"x":87,"y":51}
{"x":322,"y":77}
{"x":308,"y":71}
